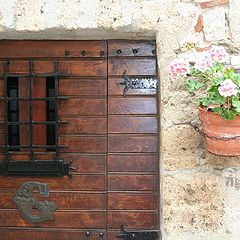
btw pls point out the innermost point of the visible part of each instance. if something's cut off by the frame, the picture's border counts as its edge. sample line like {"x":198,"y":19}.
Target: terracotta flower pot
{"x":222,"y":136}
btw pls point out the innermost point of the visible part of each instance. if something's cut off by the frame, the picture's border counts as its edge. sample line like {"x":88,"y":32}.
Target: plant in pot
{"x":217,"y":86}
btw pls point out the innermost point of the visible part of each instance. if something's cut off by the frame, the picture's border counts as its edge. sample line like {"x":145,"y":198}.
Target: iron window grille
{"x":34,"y":167}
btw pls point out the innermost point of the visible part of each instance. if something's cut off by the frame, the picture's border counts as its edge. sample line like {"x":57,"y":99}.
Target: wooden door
{"x":111,"y":139}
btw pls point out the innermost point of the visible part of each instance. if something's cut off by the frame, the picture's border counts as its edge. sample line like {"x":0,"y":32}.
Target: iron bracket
{"x":36,"y":168}
{"x":140,"y":235}
{"x":138,"y":83}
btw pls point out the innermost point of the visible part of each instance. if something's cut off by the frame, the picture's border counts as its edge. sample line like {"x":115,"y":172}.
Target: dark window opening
{"x":31,"y":123}
{"x":51,"y":112}
{"x":13,"y":112}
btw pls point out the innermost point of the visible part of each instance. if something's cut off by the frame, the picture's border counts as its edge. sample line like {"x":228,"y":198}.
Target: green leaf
{"x":228,"y":114}
{"x":236,"y":103}
{"x":218,"y":80}
{"x":204,"y":101}
{"x":218,"y":110}
{"x":193,"y":85}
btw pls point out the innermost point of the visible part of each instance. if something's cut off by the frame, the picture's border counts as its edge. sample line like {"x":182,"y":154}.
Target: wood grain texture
{"x":132,"y":106}
{"x":86,"y":163}
{"x":76,"y":183}
{"x":83,"y":107}
{"x":64,"y":200}
{"x":87,"y":125}
{"x":144,"y":48}
{"x":84,"y":144}
{"x":132,"y":143}
{"x":71,"y":219}
{"x":136,"y":220}
{"x":118,"y":124}
{"x":132,"y":182}
{"x":46,"y":49}
{"x":134,"y":66}
{"x":127,"y":201}
{"x":81,"y":87}
{"x":115,"y":88}
{"x":132,"y":162}
{"x":85,"y":68}
{"x":49,"y":234}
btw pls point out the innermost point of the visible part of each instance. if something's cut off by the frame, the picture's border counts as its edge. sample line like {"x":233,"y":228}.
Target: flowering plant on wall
{"x":216,"y":81}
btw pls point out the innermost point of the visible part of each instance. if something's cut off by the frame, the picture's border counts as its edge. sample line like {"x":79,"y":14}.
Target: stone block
{"x":179,"y":144}
{"x":193,"y":202}
{"x":214,"y":25}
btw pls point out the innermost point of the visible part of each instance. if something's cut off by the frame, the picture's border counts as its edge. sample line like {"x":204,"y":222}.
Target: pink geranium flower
{"x":228,"y":88}
{"x":203,"y":64}
{"x":179,"y":68}
{"x":218,"y":54}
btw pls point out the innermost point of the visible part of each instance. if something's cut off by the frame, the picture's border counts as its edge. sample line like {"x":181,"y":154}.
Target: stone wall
{"x":200,"y":192}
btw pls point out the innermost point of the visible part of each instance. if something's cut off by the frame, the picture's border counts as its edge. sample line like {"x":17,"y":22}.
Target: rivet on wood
{"x":83,"y":53}
{"x":67,"y":53}
{"x":119,"y":51}
{"x":135,"y":51}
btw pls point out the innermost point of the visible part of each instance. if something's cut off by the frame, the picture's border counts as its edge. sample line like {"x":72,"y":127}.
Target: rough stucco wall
{"x":200,"y":191}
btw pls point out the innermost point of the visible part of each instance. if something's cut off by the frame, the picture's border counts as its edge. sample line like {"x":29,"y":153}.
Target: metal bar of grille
{"x":33,"y":146}
{"x":56,"y":69}
{"x":6,"y":111}
{"x":35,"y":75}
{"x":31,"y":110}
{"x":34,"y":99}
{"x":36,"y":123}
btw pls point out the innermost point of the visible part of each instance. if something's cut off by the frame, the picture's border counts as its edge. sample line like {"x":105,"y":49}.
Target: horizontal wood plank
{"x":86,"y":163}
{"x":46,"y":49}
{"x":83,"y":107}
{"x":75,"y":183}
{"x":48,"y":234}
{"x":115,"y":88}
{"x":132,"y":162}
{"x":73,"y":220}
{"x":96,"y":144}
{"x":132,"y":143}
{"x":134,"y":66}
{"x":118,"y":124}
{"x":132,"y":106}
{"x":81,"y":87}
{"x":132,"y":182}
{"x":129,"y":48}
{"x":136,"y":220}
{"x":87,"y":125}
{"x":85,"y":68}
{"x":64,"y":200}
{"x":127,"y":201}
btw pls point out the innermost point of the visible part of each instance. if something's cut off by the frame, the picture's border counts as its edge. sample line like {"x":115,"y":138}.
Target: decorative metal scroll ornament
{"x":124,"y":235}
{"x":138,"y":83}
{"x":31,"y":209}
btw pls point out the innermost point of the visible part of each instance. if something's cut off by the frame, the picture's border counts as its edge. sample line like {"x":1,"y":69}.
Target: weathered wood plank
{"x":64,"y":200}
{"x":136,"y":220}
{"x":132,"y":106}
{"x":134,"y":66}
{"x":118,"y":124}
{"x":46,"y":49}
{"x":84,"y":125}
{"x":127,"y":201}
{"x":132,"y":182}
{"x":127,"y":47}
{"x":132,"y":143}
{"x":83,"y":107}
{"x":76,"y":183}
{"x":132,"y":162}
